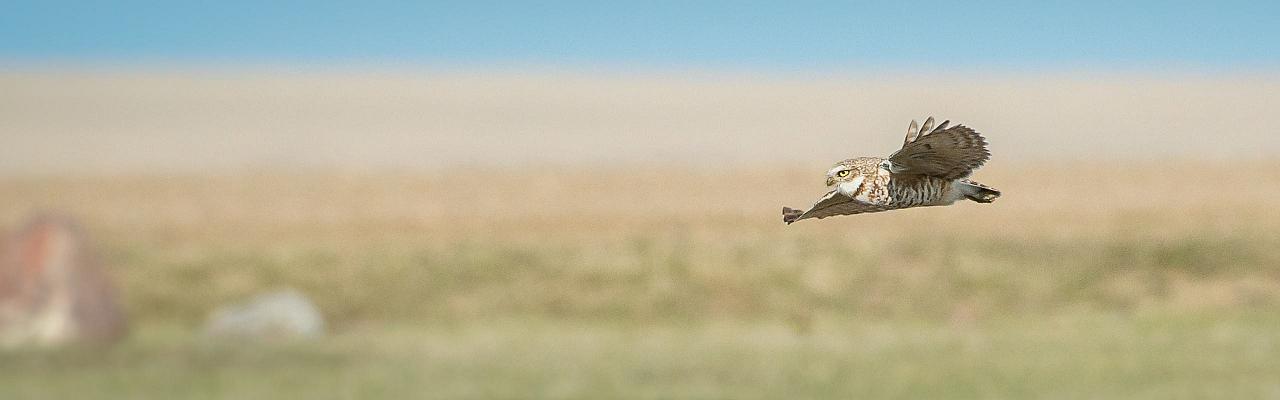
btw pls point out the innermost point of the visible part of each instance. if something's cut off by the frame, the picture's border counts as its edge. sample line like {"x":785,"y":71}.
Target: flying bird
{"x":931,"y":169}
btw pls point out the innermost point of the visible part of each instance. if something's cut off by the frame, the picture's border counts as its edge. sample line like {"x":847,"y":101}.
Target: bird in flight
{"x":931,"y":169}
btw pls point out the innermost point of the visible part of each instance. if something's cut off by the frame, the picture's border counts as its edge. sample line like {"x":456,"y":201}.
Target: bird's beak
{"x":831,"y":181}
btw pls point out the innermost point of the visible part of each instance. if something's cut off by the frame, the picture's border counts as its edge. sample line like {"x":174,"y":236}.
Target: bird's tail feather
{"x":978,"y":192}
{"x":790,"y":215}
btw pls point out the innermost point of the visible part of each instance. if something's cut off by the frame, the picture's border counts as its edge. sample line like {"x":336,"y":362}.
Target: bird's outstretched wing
{"x":833,"y":203}
{"x":943,"y":152}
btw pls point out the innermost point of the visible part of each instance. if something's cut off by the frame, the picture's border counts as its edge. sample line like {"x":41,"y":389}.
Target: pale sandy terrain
{"x":145,"y":121}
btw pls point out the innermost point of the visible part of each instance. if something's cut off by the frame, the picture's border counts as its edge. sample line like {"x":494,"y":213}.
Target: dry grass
{"x":657,"y":243}
{"x":620,"y":237}
{"x":1100,"y":280}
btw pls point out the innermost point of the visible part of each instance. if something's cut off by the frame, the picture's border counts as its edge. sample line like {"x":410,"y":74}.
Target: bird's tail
{"x":977,"y":192}
{"x":790,"y":215}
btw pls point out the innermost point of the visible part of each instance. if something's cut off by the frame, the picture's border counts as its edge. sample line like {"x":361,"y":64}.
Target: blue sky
{"x":661,"y":34}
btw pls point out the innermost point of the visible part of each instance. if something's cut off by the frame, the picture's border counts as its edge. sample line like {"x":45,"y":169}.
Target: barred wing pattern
{"x":947,"y":153}
{"x":833,"y":203}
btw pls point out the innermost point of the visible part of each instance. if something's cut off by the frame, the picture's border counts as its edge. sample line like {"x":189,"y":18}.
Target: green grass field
{"x":1148,"y":355}
{"x":1125,"y":286}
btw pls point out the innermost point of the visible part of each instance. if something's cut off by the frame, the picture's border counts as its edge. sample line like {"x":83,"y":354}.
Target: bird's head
{"x":844,"y":171}
{"x":837,"y":174}
{"x":848,"y":175}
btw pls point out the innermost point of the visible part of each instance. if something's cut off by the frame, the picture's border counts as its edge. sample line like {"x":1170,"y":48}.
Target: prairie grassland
{"x":1089,"y":355}
{"x":668,"y":243}
{"x":1099,"y":279}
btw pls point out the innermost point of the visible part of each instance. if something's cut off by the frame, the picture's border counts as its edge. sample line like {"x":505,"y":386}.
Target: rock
{"x":54,"y":289}
{"x":276,"y":316}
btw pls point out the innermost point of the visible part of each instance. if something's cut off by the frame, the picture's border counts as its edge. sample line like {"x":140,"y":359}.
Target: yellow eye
{"x":843,"y":173}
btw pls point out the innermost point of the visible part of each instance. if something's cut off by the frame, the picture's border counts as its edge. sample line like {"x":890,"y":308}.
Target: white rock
{"x":276,"y":316}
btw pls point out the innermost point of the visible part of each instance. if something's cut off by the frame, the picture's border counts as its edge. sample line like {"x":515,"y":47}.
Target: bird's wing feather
{"x":833,"y":203}
{"x":943,"y":152}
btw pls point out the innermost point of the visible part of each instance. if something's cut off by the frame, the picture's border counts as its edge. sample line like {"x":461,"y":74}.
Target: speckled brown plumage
{"x":946,"y":153}
{"x":929,"y":170}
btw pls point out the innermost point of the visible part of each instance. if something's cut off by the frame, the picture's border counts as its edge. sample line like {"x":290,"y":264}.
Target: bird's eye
{"x":843,"y":173}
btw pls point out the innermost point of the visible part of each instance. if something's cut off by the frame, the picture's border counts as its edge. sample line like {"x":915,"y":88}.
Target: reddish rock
{"x":54,"y":289}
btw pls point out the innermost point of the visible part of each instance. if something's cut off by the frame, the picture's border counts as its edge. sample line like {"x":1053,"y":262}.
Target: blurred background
{"x":582,"y":200}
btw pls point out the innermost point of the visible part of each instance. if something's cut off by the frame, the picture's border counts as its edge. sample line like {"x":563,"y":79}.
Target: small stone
{"x":276,"y":316}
